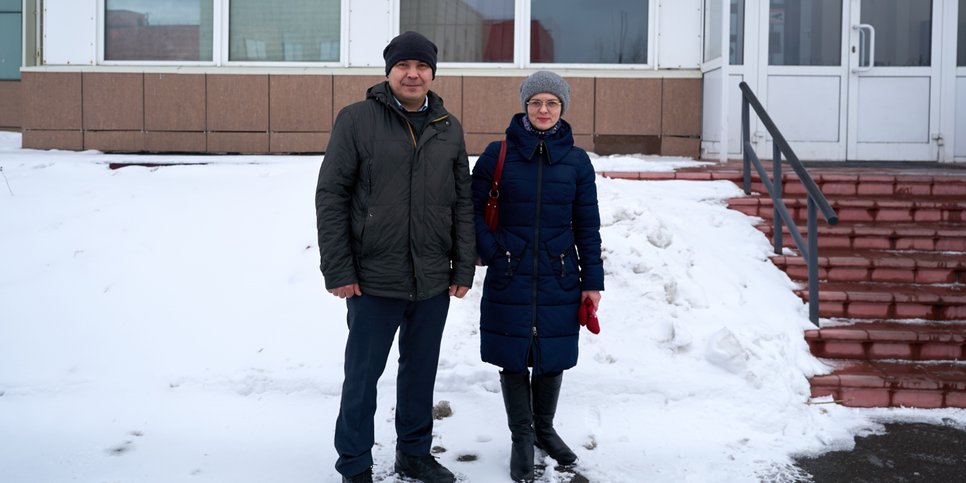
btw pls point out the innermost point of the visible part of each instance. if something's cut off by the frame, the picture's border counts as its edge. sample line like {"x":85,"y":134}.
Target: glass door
{"x":855,"y":79}
{"x":894,"y":73}
{"x":804,"y":80}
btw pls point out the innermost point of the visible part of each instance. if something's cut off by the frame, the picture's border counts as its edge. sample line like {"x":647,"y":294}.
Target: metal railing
{"x":815,"y":197}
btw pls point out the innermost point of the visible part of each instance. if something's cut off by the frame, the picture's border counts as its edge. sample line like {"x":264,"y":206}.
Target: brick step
{"x":835,"y":184}
{"x":942,"y":237}
{"x":894,"y":384}
{"x":894,"y":210}
{"x":890,"y":340}
{"x":890,"y":301}
{"x":840,"y":265}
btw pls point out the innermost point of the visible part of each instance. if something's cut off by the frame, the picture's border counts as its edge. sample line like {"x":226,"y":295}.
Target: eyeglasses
{"x":537,"y":105}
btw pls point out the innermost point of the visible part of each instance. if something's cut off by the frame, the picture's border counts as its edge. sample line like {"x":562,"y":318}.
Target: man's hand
{"x":346,"y":291}
{"x":458,"y":291}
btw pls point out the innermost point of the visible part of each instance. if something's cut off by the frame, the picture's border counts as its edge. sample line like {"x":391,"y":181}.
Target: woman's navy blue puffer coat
{"x":545,"y":250}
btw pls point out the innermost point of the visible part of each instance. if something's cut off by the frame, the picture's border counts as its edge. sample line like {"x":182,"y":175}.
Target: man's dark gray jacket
{"x":393,"y":211}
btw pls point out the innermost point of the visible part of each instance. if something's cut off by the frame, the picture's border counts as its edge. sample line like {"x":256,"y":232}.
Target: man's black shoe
{"x":364,"y":477}
{"x":423,"y":468}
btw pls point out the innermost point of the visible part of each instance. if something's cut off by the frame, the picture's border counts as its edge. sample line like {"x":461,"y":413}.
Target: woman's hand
{"x":593,"y":295}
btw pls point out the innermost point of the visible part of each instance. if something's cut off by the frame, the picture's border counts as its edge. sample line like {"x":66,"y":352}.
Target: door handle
{"x":866,"y":37}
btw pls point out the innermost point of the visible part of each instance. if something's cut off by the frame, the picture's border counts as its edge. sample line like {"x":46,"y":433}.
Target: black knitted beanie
{"x":410,"y":46}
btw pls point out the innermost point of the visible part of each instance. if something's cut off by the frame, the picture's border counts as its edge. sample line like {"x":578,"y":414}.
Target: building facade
{"x":844,"y":79}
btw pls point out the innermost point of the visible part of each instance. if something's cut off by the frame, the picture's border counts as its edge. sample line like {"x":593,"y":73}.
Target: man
{"x":396,"y":235}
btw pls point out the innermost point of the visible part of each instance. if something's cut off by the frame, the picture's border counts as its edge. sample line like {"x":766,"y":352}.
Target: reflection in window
{"x":903,"y":32}
{"x":712,"y":31}
{"x":961,"y":36}
{"x":581,"y":32}
{"x":464,"y":30}
{"x":11,"y":40}
{"x":284,"y":30}
{"x":152,"y":30}
{"x":805,"y":32}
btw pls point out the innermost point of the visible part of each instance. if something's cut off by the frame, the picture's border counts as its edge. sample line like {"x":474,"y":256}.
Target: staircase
{"x":892,"y":292}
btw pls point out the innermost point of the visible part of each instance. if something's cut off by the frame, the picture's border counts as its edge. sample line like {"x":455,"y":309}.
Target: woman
{"x":543,"y":259}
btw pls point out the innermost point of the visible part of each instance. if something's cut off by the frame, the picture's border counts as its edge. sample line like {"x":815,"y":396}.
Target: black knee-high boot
{"x":546,"y":391}
{"x":516,"y":399}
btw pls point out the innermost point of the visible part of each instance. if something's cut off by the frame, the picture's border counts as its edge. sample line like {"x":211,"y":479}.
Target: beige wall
{"x":267,"y":113}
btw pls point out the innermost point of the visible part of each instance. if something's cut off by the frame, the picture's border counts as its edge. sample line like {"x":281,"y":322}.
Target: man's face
{"x":410,"y":80}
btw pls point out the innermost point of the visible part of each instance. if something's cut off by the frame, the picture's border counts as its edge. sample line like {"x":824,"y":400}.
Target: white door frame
{"x":832,"y":130}
{"x":884,"y":120}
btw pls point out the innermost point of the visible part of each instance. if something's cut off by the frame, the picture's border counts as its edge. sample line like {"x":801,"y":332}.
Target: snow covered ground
{"x":169,"y":324}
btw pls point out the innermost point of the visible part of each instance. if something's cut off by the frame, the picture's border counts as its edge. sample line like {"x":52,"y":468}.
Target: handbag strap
{"x":495,"y":186}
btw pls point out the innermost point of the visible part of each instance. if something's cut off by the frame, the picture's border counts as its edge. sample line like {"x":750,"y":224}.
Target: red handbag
{"x":491,"y":212}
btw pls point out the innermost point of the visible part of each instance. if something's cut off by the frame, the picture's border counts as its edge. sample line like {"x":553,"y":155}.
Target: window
{"x":464,"y":30}
{"x":284,"y":30}
{"x":737,"y":32}
{"x":805,"y":32}
{"x":11,"y":48}
{"x":712,"y":31}
{"x":903,"y":32}
{"x":581,"y":32}
{"x":173,"y":30}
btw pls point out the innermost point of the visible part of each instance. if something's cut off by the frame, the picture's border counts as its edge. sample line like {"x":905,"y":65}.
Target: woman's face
{"x":543,"y":110}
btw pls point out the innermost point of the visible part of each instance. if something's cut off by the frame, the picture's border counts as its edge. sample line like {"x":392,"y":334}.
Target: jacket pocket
{"x":505,"y":264}
{"x":562,"y":257}
{"x":438,"y":231}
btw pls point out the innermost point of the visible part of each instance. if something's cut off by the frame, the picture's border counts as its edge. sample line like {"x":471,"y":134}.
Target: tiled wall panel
{"x":113,"y":101}
{"x":175,"y":142}
{"x":237,"y":142}
{"x":300,"y":103}
{"x":451,"y":90}
{"x":114,"y":141}
{"x":681,"y":107}
{"x":261,"y":113}
{"x":53,"y":139}
{"x":237,"y":103}
{"x":489,"y":103}
{"x":347,"y":89}
{"x":52,"y":100}
{"x":628,"y":106}
{"x":11,"y":114}
{"x":298,"y":142}
{"x":174,"y":102}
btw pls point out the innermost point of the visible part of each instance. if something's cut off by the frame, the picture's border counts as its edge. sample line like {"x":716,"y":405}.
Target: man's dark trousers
{"x":373,"y":322}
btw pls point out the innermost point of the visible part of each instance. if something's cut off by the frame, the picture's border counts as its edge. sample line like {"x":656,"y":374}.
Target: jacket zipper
{"x":535,"y":277}
{"x":509,"y":266}
{"x":412,"y":136}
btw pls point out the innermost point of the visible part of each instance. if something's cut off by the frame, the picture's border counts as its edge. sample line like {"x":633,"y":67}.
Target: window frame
{"x":224,"y":51}
{"x":21,"y":44}
{"x":101,"y":20}
{"x":651,"y":63}
{"x":220,"y":43}
{"x":521,"y":44}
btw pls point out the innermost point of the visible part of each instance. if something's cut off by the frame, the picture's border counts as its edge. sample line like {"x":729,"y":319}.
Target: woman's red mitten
{"x":587,"y":315}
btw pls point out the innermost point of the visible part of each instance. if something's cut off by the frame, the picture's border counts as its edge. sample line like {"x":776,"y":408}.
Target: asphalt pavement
{"x":912,"y":452}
